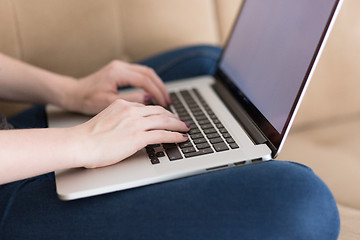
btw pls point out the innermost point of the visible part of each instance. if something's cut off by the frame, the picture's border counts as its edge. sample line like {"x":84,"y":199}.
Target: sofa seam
{"x":119,"y":30}
{"x":216,"y":13}
{"x":17,"y":29}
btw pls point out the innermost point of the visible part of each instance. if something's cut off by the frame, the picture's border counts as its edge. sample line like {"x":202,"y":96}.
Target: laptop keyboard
{"x":207,"y":134}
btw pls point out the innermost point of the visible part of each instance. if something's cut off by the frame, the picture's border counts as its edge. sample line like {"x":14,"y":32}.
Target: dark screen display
{"x":270,"y":51}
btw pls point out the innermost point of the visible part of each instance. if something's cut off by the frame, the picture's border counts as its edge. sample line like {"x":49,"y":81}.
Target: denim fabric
{"x":34,"y":117}
{"x":4,"y":124}
{"x":270,"y":200}
{"x":185,"y":62}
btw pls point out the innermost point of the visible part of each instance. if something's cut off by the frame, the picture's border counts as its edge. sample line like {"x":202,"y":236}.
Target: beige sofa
{"x":78,"y":37}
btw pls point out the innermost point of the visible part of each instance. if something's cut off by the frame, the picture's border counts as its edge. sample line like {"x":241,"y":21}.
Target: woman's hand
{"x":124,"y":128}
{"x":95,"y":92}
{"x":111,"y":136}
{"x":89,"y":95}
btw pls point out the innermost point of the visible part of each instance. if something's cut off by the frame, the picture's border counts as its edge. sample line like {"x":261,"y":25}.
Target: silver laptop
{"x":239,"y":116}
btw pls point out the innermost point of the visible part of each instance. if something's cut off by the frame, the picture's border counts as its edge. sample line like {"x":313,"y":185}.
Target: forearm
{"x":28,"y":153}
{"x":114,"y":134}
{"x":22,"y":82}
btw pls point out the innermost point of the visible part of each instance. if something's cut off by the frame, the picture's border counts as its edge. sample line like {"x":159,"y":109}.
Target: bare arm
{"x":27,"y":153}
{"x":116,"y":133}
{"x":23,"y":82}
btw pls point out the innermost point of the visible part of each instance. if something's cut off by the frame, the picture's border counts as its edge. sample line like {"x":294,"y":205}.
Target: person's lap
{"x":271,"y":200}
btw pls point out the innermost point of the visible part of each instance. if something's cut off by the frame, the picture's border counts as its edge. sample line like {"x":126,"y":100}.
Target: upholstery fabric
{"x":78,"y":37}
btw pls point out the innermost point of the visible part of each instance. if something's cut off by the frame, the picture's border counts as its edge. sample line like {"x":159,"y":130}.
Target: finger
{"x":147,"y":111}
{"x":163,"y":136}
{"x":155,"y":78}
{"x":161,"y":122}
{"x":119,"y":102}
{"x":140,"y":97}
{"x":139,"y":80}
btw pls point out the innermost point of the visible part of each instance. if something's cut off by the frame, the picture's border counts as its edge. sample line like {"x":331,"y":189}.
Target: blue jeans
{"x":269,"y":200}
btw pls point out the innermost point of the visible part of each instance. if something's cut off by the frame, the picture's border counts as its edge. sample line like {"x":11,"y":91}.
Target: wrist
{"x":66,"y":96}
{"x":76,"y":147}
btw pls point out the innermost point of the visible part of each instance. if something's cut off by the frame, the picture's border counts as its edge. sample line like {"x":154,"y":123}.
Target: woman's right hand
{"x":124,"y":128}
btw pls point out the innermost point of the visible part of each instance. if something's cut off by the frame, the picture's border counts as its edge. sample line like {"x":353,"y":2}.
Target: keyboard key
{"x":187,"y":118}
{"x":206,"y":126}
{"x":152,"y":155}
{"x":223,"y":130}
{"x":226,"y":135}
{"x":203,"y":145}
{"x":212,"y":135}
{"x":173,"y":154}
{"x":188,"y":150}
{"x":213,"y":117}
{"x":202,"y":122}
{"x":181,"y":111}
{"x":155,"y":161}
{"x":210,"y":131}
{"x":219,"y":125}
{"x":150,"y":150}
{"x":200,"y":140}
{"x":196,"y":136}
{"x":184,"y":116}
{"x":216,"y":140}
{"x":185,"y":144}
{"x":229,"y":140}
{"x":199,"y":153}
{"x":233,"y":145}
{"x":192,"y":125}
{"x":160,"y":154}
{"x":169,"y":145}
{"x":219,"y":147}
{"x":216,"y":121}
{"x":198,"y":113}
{"x":207,"y":108}
{"x":194,"y":131}
{"x":201,"y":117}
{"x":178,"y":106}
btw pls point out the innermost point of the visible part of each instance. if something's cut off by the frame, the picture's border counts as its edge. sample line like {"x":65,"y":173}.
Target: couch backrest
{"x":333,"y":92}
{"x":78,"y":37}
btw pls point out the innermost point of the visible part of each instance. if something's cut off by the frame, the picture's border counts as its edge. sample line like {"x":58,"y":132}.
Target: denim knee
{"x":269,"y":200}
{"x":185,"y":62}
{"x":308,"y":209}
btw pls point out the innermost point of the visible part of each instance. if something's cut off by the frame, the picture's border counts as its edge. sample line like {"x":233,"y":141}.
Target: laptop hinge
{"x":239,"y":113}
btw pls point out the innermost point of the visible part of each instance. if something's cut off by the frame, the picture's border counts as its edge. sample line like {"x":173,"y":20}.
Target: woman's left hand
{"x":95,"y":92}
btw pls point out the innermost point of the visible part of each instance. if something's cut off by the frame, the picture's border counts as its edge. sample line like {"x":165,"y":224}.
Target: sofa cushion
{"x":332,"y":150}
{"x":333,"y":90}
{"x":9,"y":41}
{"x":77,"y":38}
{"x":68,"y":37}
{"x":152,"y":26}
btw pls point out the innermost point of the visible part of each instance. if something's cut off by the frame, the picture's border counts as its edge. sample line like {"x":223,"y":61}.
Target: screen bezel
{"x":274,"y":137}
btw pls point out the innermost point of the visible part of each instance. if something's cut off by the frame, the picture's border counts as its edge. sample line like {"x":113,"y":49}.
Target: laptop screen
{"x":270,"y":54}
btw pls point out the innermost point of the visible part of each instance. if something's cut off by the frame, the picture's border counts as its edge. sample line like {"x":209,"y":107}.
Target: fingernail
{"x":185,"y":136}
{"x":187,"y":124}
{"x":148,"y":99}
